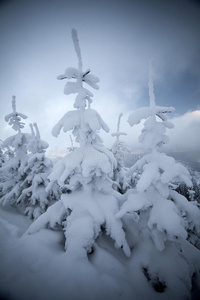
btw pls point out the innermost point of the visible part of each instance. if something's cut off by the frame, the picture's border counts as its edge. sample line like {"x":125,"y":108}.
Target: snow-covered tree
{"x":12,"y":170}
{"x":192,"y":193}
{"x":161,"y":223}
{"x":34,"y":196}
{"x":118,"y":149}
{"x":87,"y":205}
{"x":2,"y":156}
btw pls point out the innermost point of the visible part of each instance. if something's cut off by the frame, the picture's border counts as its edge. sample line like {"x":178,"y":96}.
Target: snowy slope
{"x":36,"y":267}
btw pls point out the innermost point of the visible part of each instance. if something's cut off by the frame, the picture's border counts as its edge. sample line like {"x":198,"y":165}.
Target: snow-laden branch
{"x":14,"y":118}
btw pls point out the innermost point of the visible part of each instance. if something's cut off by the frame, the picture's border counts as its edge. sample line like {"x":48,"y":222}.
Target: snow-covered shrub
{"x":158,"y":218}
{"x":36,"y":170}
{"x":87,"y":205}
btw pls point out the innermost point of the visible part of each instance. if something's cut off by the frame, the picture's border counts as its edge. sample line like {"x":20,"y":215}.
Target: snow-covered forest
{"x":90,"y":225}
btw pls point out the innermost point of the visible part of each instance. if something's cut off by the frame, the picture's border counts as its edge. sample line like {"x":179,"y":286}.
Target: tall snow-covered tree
{"x":12,"y":171}
{"x":87,"y":205}
{"x":161,"y":223}
{"x":118,"y":149}
{"x":34,"y":196}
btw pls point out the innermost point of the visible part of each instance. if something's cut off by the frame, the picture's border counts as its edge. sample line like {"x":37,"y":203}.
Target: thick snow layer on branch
{"x":69,"y":121}
{"x":165,"y":216}
{"x":82,"y":122}
{"x":17,"y":141}
{"x":134,"y":203}
{"x":14,"y":118}
{"x":81,"y":167}
{"x":164,"y":221}
{"x":145,"y":112}
{"x":84,"y":213}
{"x":158,"y":167}
{"x":73,"y":73}
{"x":54,"y":215}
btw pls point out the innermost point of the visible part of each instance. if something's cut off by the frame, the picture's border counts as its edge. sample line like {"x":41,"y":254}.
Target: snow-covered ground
{"x":36,"y":267}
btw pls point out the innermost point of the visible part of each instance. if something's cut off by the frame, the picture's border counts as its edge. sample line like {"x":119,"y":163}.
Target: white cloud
{"x":185,"y":136}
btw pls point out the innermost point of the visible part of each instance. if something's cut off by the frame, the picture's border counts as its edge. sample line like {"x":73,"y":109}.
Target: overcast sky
{"x":117,"y":39}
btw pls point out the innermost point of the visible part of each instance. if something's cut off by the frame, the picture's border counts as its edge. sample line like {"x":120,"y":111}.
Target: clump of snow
{"x":82,"y":215}
{"x":84,"y":166}
{"x":14,"y":118}
{"x":84,"y":124}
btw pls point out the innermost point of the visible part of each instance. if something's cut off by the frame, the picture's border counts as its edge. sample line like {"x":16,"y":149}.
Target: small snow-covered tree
{"x":2,"y":156}
{"x":118,"y":149}
{"x":34,"y":196}
{"x":162,"y":223}
{"x":12,"y":170}
{"x":87,"y":204}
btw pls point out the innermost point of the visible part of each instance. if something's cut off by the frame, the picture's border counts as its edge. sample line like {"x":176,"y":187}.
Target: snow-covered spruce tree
{"x":161,"y":224}
{"x":87,"y":205}
{"x":34,"y":197}
{"x":12,"y":170}
{"x":118,"y":149}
